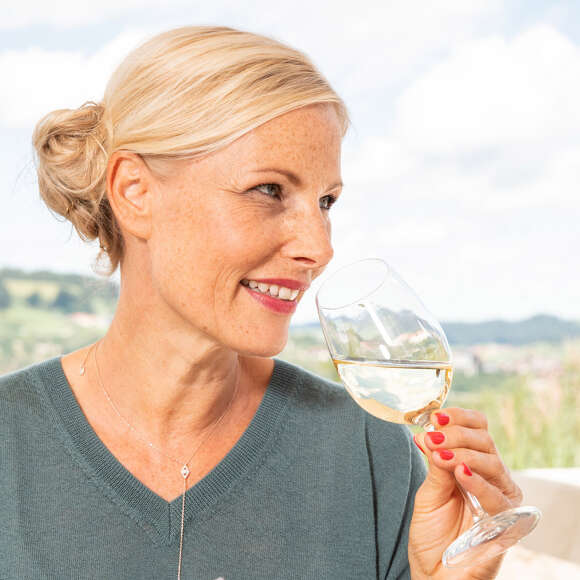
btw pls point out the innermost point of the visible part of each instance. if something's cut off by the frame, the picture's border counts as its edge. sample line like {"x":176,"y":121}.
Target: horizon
{"x":302,"y":322}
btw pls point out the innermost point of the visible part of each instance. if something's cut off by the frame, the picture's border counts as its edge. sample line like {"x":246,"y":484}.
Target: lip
{"x":274,"y":304}
{"x":292,"y":284}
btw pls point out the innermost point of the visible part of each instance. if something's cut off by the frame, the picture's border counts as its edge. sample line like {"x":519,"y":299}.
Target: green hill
{"x":53,"y":291}
{"x":44,"y":314}
{"x":540,"y":328}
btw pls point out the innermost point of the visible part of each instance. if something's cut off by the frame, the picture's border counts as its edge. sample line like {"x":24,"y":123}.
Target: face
{"x":255,"y":212}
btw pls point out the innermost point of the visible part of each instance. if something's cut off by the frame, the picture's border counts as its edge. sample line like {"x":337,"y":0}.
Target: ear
{"x":129,"y":190}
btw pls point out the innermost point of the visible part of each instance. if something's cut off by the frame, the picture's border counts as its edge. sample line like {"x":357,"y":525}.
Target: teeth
{"x":272,"y":290}
{"x":284,"y":293}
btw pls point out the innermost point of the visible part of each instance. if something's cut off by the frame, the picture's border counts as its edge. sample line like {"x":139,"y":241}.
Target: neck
{"x":171,"y":389}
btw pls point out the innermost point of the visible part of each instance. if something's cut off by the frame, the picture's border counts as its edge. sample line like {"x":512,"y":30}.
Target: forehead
{"x":301,"y":133}
{"x":297,"y":123}
{"x":306,"y":140}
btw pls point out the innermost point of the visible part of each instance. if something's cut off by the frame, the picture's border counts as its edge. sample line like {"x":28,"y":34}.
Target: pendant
{"x":185,"y":471}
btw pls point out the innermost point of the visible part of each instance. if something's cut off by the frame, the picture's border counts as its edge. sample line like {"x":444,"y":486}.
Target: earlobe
{"x":128,"y":189}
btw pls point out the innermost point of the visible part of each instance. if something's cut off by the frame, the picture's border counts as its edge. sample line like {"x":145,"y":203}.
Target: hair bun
{"x":70,"y":146}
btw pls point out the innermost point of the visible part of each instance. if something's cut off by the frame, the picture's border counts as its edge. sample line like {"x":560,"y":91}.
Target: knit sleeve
{"x":397,"y":470}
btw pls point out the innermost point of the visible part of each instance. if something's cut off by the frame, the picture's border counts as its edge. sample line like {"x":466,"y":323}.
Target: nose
{"x":308,"y":238}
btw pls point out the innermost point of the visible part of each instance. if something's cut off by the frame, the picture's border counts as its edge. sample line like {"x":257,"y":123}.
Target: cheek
{"x":239,"y":238}
{"x":207,"y":248}
{"x":198,"y":264}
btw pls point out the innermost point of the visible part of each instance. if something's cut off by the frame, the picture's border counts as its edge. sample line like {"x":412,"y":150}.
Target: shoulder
{"x":329,"y":428}
{"x":20,"y":389}
{"x":312,"y":390}
{"x":15,"y":381}
{"x":321,"y":395}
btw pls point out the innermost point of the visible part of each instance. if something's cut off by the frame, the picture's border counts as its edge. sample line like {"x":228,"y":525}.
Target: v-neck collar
{"x":150,"y":508}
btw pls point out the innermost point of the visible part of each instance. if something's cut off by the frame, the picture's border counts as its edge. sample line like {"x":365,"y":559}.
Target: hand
{"x":440,"y":514}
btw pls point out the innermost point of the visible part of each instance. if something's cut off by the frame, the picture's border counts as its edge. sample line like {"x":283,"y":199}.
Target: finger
{"x":457,"y":436}
{"x":439,"y":484}
{"x":458,"y":416}
{"x":490,"y":497}
{"x":488,"y":466}
{"x":418,"y":439}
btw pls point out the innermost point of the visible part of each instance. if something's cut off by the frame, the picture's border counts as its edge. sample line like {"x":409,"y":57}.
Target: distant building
{"x":87,"y":320}
{"x":466,"y":362}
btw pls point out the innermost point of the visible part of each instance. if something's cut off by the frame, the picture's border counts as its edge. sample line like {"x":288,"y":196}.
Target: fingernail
{"x":446,"y":454}
{"x":466,"y":469}
{"x":417,"y":444}
{"x":442,"y":418}
{"x":436,"y":437}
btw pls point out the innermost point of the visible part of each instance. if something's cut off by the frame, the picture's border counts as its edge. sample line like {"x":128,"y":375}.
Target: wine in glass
{"x":394,"y":360}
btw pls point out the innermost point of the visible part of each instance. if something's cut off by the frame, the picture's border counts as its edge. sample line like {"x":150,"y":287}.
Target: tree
{"x":65,"y":301}
{"x":34,"y":300}
{"x":5,"y":297}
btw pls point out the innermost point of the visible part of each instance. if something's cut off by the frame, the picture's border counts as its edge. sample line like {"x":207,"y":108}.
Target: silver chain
{"x":184,"y":471}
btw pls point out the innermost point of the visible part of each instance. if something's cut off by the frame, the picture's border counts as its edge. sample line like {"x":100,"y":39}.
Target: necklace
{"x":184,"y":471}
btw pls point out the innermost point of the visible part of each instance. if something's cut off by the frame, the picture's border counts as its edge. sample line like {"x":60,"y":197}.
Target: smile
{"x":280,"y":292}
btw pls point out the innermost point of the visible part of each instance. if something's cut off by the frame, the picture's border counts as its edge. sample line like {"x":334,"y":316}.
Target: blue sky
{"x":461,"y":168}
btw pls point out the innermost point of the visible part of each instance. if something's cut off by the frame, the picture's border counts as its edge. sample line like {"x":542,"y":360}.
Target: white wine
{"x":400,"y":392}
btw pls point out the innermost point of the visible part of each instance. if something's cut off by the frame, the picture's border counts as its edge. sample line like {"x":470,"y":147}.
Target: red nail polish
{"x":417,"y":444}
{"x":442,"y":418}
{"x":466,"y":469}
{"x":446,"y":454}
{"x":436,"y":437}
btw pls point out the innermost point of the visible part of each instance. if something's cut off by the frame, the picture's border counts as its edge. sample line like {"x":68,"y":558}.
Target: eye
{"x":271,"y":189}
{"x":327,"y":201}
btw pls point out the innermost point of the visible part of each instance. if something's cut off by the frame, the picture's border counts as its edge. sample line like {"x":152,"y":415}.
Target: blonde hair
{"x":182,"y":94}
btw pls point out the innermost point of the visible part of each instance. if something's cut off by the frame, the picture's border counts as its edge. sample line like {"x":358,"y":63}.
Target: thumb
{"x":439,"y":485}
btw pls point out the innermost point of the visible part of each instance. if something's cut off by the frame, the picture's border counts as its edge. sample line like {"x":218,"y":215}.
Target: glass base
{"x":491,"y":536}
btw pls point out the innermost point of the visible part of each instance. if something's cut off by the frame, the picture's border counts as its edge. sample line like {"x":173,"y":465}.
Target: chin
{"x":264,"y":346}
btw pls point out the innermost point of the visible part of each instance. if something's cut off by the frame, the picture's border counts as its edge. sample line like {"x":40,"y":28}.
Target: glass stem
{"x":476,"y":510}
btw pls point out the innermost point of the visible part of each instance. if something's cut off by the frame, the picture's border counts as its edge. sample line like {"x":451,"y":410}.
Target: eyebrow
{"x":292,"y":177}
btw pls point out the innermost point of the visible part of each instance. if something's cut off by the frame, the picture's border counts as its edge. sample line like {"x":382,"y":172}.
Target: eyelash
{"x":331,"y":198}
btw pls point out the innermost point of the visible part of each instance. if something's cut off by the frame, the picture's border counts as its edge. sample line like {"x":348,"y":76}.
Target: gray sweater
{"x":315,"y":489}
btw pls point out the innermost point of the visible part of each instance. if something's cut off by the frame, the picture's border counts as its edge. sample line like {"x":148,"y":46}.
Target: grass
{"x":29,"y":335}
{"x":21,"y":289}
{"x":530,"y":428}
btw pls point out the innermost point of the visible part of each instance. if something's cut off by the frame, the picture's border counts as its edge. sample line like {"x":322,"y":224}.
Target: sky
{"x":461,"y":168}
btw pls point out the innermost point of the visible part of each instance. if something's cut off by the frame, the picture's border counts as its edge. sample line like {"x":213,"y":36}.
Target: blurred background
{"x":461,"y":169}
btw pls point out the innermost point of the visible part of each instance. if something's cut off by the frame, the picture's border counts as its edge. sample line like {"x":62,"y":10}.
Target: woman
{"x":175,"y":445}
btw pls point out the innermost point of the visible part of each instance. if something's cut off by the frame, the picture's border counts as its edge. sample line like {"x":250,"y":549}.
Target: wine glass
{"x":394,"y":359}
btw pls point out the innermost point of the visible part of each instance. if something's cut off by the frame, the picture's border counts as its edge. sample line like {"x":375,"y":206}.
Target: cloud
{"x":393,"y":17}
{"x":377,"y":159}
{"x":370,"y":49}
{"x":502,"y":184}
{"x":491,"y":128}
{"x":70,"y":13}
{"x":362,"y":56}
{"x":43,"y":80}
{"x":493,"y":93}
